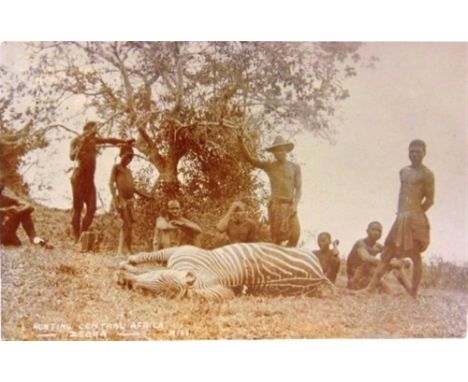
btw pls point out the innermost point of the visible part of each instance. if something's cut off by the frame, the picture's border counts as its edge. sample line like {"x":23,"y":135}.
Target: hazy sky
{"x":417,"y":90}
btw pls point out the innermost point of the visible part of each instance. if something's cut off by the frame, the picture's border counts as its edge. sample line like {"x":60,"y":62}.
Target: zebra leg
{"x":327,"y":290}
{"x":125,"y":279}
{"x":159,"y":257}
{"x":144,"y":281}
{"x":213,"y":293}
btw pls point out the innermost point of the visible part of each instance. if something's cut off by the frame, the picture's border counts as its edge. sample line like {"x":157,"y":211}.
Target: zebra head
{"x":166,"y":283}
{"x":173,"y":283}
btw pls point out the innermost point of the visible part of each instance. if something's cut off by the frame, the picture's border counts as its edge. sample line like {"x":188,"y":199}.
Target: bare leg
{"x":120,"y":249}
{"x":417,"y":273}
{"x":402,"y":277}
{"x":90,"y":201}
{"x":9,"y":229}
{"x":28,"y":225}
{"x":333,"y":268}
{"x":381,"y":270}
{"x":386,"y":288}
{"x":127,"y":236}
{"x":78,"y":202}
{"x":294,"y":231}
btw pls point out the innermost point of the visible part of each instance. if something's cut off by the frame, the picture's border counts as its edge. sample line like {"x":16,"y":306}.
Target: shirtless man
{"x":409,"y":235}
{"x":175,"y":230}
{"x":362,"y":261}
{"x":236,"y":225}
{"x":329,"y":257}
{"x":13,"y":212}
{"x":123,"y":190}
{"x":83,"y":150}
{"x":286,"y":189}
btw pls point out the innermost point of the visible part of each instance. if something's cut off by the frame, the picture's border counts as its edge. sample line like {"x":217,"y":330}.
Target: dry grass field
{"x":62,"y":294}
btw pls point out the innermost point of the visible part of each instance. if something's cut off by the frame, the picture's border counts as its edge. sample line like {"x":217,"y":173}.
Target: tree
{"x":188,"y":100}
{"x":17,"y":137}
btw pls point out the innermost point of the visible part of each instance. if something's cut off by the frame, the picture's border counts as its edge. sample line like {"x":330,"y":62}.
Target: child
{"x":122,"y":189}
{"x":329,"y":258}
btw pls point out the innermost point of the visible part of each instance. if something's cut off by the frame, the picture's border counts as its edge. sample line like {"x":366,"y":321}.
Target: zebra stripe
{"x":255,"y":268}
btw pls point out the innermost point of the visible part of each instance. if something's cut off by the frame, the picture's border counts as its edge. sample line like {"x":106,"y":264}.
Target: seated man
{"x":13,"y":212}
{"x":329,"y":258}
{"x":362,"y":261}
{"x":175,"y":230}
{"x":235,"y":226}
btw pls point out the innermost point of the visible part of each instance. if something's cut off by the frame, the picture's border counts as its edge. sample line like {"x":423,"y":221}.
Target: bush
{"x":445,"y":275}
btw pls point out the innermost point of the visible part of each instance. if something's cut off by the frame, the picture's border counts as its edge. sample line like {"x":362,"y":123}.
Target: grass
{"x":65,"y":294}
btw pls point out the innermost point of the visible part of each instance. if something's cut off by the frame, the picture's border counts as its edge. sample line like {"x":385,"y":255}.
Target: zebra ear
{"x":190,"y":278}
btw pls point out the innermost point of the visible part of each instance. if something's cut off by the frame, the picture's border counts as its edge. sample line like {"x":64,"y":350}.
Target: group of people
{"x":408,"y":237}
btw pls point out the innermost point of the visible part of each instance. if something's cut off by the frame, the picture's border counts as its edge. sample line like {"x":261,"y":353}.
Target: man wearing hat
{"x":286,"y":189}
{"x":84,"y":150}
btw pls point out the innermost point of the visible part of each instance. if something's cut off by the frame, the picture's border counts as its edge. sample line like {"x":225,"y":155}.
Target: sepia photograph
{"x":217,"y":190}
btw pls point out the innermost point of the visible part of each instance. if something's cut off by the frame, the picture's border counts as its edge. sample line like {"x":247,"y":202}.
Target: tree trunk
{"x":167,"y":183}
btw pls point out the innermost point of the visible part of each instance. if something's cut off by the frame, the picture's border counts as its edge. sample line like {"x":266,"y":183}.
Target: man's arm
{"x":187,"y":224}
{"x":74,"y":148}
{"x":113,"y":141}
{"x":297,"y":186}
{"x":224,"y":222}
{"x":162,"y":224}
{"x":335,"y":249}
{"x":365,"y":256}
{"x":112,"y":182}
{"x":9,"y":209}
{"x":13,"y":199}
{"x":252,"y":160}
{"x":143,"y":194}
{"x":429,"y":186}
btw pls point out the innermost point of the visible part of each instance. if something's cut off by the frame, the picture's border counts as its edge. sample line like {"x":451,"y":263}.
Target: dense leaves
{"x":189,"y":100}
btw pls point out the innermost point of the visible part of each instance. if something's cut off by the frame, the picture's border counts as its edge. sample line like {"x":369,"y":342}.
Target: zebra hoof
{"x":123,"y":281}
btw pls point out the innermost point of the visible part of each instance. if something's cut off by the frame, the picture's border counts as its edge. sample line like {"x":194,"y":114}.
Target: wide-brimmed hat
{"x":279,"y":141}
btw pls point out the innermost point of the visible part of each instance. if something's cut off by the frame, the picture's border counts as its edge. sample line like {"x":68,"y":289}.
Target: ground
{"x":65,"y":294}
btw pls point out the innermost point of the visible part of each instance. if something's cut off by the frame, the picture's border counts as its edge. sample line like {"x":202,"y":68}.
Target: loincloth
{"x":410,"y":232}
{"x":126,"y":209}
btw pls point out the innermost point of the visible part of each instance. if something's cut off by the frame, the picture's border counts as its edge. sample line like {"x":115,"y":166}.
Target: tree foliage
{"x":17,"y":136}
{"x":189,"y":100}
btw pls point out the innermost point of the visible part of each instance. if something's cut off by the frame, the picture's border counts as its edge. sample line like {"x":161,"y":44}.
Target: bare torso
{"x":86,"y":158}
{"x":124,"y":181}
{"x":417,"y":184}
{"x":283,"y":179}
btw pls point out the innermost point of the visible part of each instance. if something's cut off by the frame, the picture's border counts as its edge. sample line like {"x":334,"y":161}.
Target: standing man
{"x":286,"y":189}
{"x":123,"y":190}
{"x":409,"y":235}
{"x":83,"y":150}
{"x":175,"y":230}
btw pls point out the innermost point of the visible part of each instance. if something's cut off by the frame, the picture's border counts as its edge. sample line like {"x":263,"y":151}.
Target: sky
{"x":416,"y":90}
